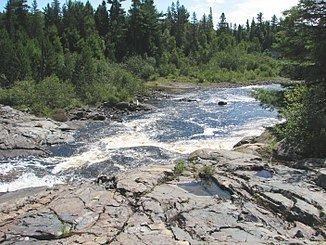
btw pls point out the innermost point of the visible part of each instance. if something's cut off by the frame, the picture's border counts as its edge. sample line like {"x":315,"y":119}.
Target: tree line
{"x":36,"y":44}
{"x":68,"y":55}
{"x":301,"y":39}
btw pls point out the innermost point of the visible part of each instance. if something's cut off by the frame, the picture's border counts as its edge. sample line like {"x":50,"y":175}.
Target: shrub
{"x":206,"y":172}
{"x":40,"y":98}
{"x":236,"y":65}
{"x":270,"y":97}
{"x":111,"y":83}
{"x":179,"y":168}
{"x":304,"y":109}
{"x":305,"y":112}
{"x":141,"y":67}
{"x":59,"y":115}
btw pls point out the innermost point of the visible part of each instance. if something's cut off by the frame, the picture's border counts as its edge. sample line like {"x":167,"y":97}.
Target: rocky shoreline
{"x":23,"y":134}
{"x":213,"y":197}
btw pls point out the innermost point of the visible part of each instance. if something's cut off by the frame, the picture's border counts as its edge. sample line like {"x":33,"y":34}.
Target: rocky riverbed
{"x":145,"y":194}
{"x":219,"y":197}
{"x":23,"y":134}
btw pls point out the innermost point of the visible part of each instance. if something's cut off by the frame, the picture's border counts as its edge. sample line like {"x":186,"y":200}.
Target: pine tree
{"x":252,"y":30}
{"x":248,"y":30}
{"x":210,"y":23}
{"x":150,"y":23}
{"x":16,"y":17}
{"x":10,"y":17}
{"x":274,"y":23}
{"x":135,"y":28}
{"x":102,"y":20}
{"x":192,"y":36}
{"x":118,"y":30}
{"x":239,"y":34}
{"x":36,"y":27}
{"x":223,"y":25}
{"x":179,"y":23}
{"x":52,"y":14}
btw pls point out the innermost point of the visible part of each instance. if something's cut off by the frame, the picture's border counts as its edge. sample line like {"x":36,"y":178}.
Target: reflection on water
{"x":205,"y":188}
{"x":178,"y":127}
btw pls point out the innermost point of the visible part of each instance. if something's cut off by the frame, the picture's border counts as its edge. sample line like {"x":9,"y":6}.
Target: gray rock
{"x":41,"y":225}
{"x":245,"y":140}
{"x":23,"y":134}
{"x":285,"y":152}
{"x":321,"y":178}
{"x":222,"y":103}
{"x":150,"y":205}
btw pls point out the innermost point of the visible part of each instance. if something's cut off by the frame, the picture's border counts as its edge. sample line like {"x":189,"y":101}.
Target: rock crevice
{"x":155,"y":205}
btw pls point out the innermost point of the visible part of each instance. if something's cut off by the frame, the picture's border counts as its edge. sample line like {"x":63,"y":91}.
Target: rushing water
{"x":172,"y":131}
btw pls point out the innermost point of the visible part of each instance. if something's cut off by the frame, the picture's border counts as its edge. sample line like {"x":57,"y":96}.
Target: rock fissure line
{"x":146,"y":203}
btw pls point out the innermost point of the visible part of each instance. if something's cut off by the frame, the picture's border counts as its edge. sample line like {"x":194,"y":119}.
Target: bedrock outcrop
{"x":24,"y":134}
{"x":222,"y":197}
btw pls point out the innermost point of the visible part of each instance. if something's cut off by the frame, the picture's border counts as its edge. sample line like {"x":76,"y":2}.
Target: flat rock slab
{"x":150,"y":205}
{"x":23,"y":134}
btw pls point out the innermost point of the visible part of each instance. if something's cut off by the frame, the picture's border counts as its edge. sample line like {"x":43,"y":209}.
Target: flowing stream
{"x":180,"y":125}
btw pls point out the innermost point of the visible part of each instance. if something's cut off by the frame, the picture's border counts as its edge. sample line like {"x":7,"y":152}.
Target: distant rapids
{"x":180,"y":125}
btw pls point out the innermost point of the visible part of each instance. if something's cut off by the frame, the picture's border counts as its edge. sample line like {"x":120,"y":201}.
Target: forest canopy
{"x":69,"y":55}
{"x":86,"y":50}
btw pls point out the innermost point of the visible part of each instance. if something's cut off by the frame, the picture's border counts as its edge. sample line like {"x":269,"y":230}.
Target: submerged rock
{"x":222,"y":103}
{"x":187,"y":100}
{"x":126,"y":106}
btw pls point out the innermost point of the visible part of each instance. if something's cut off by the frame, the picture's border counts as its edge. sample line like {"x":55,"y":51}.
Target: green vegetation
{"x":238,"y":66}
{"x":206,"y":172}
{"x":179,"y":168}
{"x":65,"y":56}
{"x":302,"y":39}
{"x":270,"y":97}
{"x":42,"y":97}
{"x":65,"y":231}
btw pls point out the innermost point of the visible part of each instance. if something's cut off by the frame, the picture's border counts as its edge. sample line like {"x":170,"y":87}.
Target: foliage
{"x":179,"y":168}
{"x":270,"y":97}
{"x":42,"y":97}
{"x":302,"y":39}
{"x":206,"y":172}
{"x":110,"y":83}
{"x":142,"y":67}
{"x":305,"y":112}
{"x":237,"y":65}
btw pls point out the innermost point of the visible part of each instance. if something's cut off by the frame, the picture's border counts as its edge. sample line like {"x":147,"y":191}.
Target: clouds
{"x":238,"y":11}
{"x":248,"y":9}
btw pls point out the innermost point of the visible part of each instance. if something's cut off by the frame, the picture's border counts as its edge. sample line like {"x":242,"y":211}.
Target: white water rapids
{"x":174,"y":130}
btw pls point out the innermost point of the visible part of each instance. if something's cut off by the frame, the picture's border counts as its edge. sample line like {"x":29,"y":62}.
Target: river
{"x":179,"y":125}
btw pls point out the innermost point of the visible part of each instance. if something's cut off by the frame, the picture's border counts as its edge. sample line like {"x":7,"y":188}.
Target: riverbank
{"x":23,"y":134}
{"x":179,"y":125}
{"x":184,"y":84}
{"x":213,"y":197}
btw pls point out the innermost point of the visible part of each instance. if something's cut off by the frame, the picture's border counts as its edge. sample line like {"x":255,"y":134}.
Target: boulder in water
{"x":222,"y":103}
{"x":321,"y":179}
{"x":188,"y":100}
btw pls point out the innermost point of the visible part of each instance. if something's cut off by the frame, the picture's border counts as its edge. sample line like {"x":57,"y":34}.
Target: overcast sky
{"x":237,"y":11}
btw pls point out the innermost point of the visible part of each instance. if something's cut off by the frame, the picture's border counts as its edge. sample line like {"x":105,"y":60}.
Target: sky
{"x":236,"y":11}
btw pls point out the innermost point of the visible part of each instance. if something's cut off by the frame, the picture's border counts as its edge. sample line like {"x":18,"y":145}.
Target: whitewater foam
{"x":172,"y":131}
{"x":28,"y":180}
